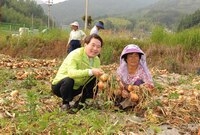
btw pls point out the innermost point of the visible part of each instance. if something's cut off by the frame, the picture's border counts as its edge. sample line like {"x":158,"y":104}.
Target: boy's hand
{"x":97,"y":72}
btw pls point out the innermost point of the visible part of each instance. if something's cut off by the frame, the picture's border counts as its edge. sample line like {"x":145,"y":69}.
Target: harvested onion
{"x":117,"y":92}
{"x":133,"y":87}
{"x":101,"y":85}
{"x":134,"y":97}
{"x":104,"y":77}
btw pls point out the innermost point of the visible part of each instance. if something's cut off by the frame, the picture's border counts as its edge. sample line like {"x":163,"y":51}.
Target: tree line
{"x":30,"y":14}
{"x":190,"y":21}
{"x":25,"y":12}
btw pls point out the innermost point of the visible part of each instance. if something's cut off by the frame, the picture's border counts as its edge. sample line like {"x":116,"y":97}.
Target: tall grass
{"x":114,"y":42}
{"x":31,"y":41}
{"x":174,"y":51}
{"x":53,"y":34}
{"x":188,"y":38}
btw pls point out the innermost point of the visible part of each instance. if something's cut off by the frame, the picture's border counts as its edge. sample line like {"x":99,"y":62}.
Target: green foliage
{"x":33,"y":41}
{"x":28,"y":83}
{"x":188,"y":38}
{"x":5,"y":78}
{"x":197,"y":87}
{"x":189,"y":21}
{"x":155,"y":128}
{"x":158,"y":35}
{"x":116,"y":23}
{"x":113,"y":45}
{"x":89,"y":20}
{"x":53,"y":34}
{"x":165,"y":18}
{"x":9,"y":28}
{"x":159,"y":87}
{"x":22,"y":12}
{"x":173,"y":95}
{"x":32,"y":99}
{"x":106,"y":54}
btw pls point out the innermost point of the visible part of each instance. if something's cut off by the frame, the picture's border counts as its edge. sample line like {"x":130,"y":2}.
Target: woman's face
{"x":133,"y":59}
{"x":74,"y":27}
{"x":93,"y":48}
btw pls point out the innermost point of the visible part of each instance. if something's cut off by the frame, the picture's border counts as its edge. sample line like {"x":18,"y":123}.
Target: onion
{"x":101,"y":85}
{"x":130,"y":87}
{"x":104,"y":77}
{"x":125,"y":94}
{"x":117,"y":92}
{"x":14,"y":93}
{"x":134,"y":97}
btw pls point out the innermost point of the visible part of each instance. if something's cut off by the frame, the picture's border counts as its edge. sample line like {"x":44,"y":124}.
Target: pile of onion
{"x":102,"y":81}
{"x":133,"y":89}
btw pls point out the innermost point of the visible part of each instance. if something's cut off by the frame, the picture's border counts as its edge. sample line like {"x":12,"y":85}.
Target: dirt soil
{"x":173,"y":106}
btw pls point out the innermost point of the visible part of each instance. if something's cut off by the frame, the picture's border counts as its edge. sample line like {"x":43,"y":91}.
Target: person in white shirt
{"x":75,"y":37}
{"x":95,"y":30}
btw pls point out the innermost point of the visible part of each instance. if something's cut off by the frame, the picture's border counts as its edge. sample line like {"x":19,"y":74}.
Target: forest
{"x":25,"y":13}
{"x":22,"y":12}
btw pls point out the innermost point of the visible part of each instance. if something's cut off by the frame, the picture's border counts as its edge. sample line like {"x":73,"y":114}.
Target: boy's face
{"x":93,"y":48}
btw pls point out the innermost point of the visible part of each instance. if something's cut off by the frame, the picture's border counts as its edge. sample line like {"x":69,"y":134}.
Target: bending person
{"x":78,"y":72}
{"x":133,"y":70}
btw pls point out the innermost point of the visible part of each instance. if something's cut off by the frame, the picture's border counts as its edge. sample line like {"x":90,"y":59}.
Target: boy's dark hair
{"x":96,"y":36}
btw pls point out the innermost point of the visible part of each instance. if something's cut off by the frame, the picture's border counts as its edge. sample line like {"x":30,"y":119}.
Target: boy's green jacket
{"x":76,"y":66}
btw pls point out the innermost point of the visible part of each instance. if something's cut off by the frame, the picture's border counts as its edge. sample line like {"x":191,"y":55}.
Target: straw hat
{"x":75,"y":24}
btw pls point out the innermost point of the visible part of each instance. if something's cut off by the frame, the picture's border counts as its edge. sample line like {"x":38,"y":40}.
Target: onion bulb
{"x":134,"y":97}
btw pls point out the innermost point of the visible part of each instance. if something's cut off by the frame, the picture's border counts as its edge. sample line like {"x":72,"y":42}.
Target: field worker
{"x":78,"y":72}
{"x":95,"y":30}
{"x":75,"y":37}
{"x":133,"y":70}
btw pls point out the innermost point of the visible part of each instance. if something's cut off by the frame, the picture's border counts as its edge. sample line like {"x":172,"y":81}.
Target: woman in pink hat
{"x":75,"y":37}
{"x":133,"y":70}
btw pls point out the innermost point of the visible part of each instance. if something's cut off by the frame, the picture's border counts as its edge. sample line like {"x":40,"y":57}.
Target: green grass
{"x":188,"y":38}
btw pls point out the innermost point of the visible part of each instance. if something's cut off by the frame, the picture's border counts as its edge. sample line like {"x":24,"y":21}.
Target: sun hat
{"x":122,"y":69}
{"x":131,"y":48}
{"x":75,"y":24}
{"x":100,"y":24}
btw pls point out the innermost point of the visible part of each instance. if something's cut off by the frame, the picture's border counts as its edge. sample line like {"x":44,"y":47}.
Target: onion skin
{"x":117,"y":92}
{"x":134,"y":97}
{"x":130,"y":87}
{"x":125,"y":94}
{"x":101,"y":85}
{"x":104,"y":77}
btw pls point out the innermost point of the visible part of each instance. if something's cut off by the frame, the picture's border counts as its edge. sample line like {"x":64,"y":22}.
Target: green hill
{"x":22,"y":12}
